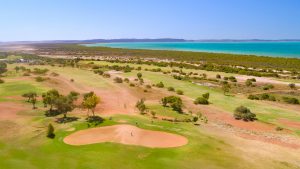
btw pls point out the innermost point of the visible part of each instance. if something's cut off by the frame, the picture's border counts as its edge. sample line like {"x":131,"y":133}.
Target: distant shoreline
{"x":285,"y":49}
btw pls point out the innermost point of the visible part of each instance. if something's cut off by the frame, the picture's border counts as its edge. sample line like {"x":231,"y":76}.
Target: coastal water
{"x":278,"y":49}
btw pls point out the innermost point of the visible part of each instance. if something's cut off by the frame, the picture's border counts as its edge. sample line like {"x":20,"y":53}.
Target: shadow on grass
{"x":66,"y":119}
{"x":94,"y":120}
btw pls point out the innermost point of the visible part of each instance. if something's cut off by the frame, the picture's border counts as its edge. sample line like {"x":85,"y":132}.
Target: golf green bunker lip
{"x":126,"y":134}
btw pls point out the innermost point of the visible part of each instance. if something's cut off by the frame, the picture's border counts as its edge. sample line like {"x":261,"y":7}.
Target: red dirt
{"x":126,"y":134}
{"x":9,"y":110}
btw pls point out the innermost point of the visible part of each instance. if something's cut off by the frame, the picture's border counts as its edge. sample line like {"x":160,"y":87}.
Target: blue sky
{"x":189,"y":19}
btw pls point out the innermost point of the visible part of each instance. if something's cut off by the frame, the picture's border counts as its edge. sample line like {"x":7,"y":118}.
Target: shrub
{"x":267,"y":87}
{"x":160,"y":85}
{"x":50,"y":131}
{"x":40,"y":79}
{"x":171,"y":89}
{"x":131,"y":84}
{"x":54,"y":74}
{"x":126,"y":80}
{"x":179,"y":92}
{"x":141,"y":106}
{"x":243,"y":113}
{"x":26,"y":74}
{"x":206,"y":96}
{"x":118,"y":80}
{"x":232,"y":79}
{"x":292,"y":85}
{"x":148,"y":86}
{"x":201,"y":100}
{"x":195,"y":119}
{"x":1,"y":81}
{"x":139,"y":75}
{"x":218,"y":76}
{"x":248,"y":83}
{"x":72,"y":80}
{"x":106,"y":75}
{"x":253,"y":97}
{"x":278,"y":128}
{"x":290,"y":100}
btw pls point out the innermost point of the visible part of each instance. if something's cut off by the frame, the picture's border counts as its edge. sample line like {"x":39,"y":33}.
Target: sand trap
{"x":126,"y":134}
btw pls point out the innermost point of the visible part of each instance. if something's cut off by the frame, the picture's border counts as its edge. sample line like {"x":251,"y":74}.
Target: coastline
{"x":283,"y":49}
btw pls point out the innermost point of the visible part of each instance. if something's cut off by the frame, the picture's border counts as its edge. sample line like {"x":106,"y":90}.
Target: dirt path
{"x":126,"y":134}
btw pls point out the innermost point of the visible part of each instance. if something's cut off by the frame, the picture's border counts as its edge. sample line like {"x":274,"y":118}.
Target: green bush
{"x":243,"y":113}
{"x":160,"y":85}
{"x":171,"y":89}
{"x":118,"y":80}
{"x":179,"y":92}
{"x":290,"y":100}
{"x":1,"y":81}
{"x":201,"y":100}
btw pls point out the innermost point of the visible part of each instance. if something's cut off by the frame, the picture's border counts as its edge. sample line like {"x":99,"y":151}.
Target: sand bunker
{"x":126,"y":134}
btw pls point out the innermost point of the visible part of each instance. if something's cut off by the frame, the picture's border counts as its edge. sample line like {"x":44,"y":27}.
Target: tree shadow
{"x":66,"y":119}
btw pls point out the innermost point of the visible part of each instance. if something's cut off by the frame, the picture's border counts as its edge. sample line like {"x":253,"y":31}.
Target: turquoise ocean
{"x":276,"y":48}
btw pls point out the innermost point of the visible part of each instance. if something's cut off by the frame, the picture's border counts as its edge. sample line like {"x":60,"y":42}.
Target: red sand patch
{"x":9,"y":110}
{"x":126,"y":134}
{"x":293,"y":124}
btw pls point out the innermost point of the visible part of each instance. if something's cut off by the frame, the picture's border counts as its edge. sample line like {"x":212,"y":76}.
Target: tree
{"x":64,"y":104}
{"x":31,"y":98}
{"x":174,"y":102}
{"x":90,"y":102}
{"x":50,"y":131}
{"x":292,"y":86}
{"x":218,"y":76}
{"x":17,"y":68}
{"x":3,"y":68}
{"x":49,"y":98}
{"x":141,"y":106}
{"x":226,"y":88}
{"x":153,"y":113}
{"x":244,"y":113}
{"x":33,"y":101}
